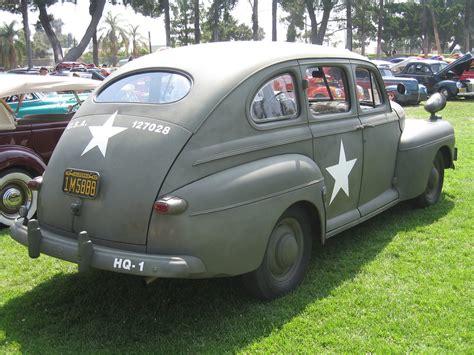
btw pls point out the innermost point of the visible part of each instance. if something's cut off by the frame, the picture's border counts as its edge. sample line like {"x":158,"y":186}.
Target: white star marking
{"x":102,"y":134}
{"x":340,"y":172}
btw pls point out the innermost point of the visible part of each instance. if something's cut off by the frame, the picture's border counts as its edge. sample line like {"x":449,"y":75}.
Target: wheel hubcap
{"x":12,"y":198}
{"x":285,"y":249}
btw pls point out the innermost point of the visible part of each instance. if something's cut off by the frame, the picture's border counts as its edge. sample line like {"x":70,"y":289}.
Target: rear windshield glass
{"x":151,"y":88}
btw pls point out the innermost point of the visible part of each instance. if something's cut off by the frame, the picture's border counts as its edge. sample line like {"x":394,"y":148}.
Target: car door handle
{"x":368,"y":125}
{"x":358,"y":127}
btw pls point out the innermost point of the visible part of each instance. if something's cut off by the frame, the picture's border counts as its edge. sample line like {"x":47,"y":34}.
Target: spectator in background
{"x":43,"y":71}
{"x":104,"y":72}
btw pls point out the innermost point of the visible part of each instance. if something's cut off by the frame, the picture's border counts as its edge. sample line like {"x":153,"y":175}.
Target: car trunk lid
{"x":128,"y":156}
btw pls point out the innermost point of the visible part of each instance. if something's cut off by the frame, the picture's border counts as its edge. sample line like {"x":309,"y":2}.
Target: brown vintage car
{"x":26,"y":144}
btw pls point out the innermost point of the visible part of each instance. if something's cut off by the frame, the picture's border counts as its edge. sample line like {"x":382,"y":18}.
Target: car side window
{"x":327,"y":90}
{"x":275,"y":100}
{"x":369,"y":94}
{"x":411,"y":69}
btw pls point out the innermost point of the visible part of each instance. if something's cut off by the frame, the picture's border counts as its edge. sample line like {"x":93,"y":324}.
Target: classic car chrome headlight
{"x":459,"y":85}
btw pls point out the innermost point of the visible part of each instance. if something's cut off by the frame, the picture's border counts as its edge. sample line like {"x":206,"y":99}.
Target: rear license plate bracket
{"x":81,"y":183}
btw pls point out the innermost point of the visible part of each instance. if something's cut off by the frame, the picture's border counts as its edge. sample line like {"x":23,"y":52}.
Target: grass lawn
{"x":401,"y":282}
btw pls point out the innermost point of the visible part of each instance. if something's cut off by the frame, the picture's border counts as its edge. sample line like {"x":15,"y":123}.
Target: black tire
{"x":445,"y":92}
{"x":286,"y":258}
{"x":434,"y":185}
{"x":14,"y":193}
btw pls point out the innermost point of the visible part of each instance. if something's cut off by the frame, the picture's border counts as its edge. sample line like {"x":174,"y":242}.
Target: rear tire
{"x":434,"y":185}
{"x":286,"y":258}
{"x":14,"y":193}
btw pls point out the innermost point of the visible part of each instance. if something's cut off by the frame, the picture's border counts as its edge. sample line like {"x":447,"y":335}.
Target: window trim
{"x":344,"y":65}
{"x":379,"y":81}
{"x":144,"y":71}
{"x":258,"y":123}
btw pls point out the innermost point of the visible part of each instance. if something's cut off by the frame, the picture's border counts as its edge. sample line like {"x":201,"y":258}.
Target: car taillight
{"x":35,"y":184}
{"x":170,"y":205}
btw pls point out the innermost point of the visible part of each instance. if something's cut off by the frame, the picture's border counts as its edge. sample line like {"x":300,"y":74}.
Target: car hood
{"x":458,"y":66}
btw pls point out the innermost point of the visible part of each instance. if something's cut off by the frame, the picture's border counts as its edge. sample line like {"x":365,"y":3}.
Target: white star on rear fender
{"x":102,"y":134}
{"x":340,"y":172}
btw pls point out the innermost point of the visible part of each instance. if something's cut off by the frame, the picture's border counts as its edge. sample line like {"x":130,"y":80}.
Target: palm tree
{"x":136,"y":39}
{"x":9,"y":35}
{"x":114,"y":37}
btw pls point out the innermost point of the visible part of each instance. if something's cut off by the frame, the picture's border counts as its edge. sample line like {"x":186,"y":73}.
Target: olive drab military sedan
{"x":216,"y":160}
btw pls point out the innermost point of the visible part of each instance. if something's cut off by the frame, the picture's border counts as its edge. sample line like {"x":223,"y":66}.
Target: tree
{"x":26,"y":31}
{"x":9,"y":35}
{"x":227,"y":29}
{"x":467,"y":24}
{"x":435,"y":30}
{"x":114,"y":37}
{"x":363,"y":23}
{"x":254,"y":6}
{"x":96,"y":9}
{"x":197,"y":22}
{"x":182,"y":31}
{"x":349,"y":24}
{"x":21,"y":7}
{"x":137,"y":40}
{"x":153,"y":8}
{"x":379,"y":28}
{"x":218,"y":11}
{"x":274,"y":19}
{"x":45,"y":20}
{"x":295,"y":18}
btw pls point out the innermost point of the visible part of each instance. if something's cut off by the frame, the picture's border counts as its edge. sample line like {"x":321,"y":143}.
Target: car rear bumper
{"x":86,"y":254}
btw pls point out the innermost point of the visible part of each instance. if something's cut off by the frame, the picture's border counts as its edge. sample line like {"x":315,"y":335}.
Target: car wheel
{"x":14,"y":193}
{"x":445,"y":92}
{"x":435,"y":183}
{"x":286,"y":258}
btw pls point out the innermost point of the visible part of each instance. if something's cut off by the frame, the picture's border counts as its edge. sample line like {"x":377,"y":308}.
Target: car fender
{"x":12,"y":156}
{"x":231,"y":214}
{"x":420,"y":142}
{"x":450,"y":84}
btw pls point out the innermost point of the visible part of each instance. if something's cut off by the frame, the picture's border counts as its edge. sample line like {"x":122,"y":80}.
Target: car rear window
{"x":151,"y":87}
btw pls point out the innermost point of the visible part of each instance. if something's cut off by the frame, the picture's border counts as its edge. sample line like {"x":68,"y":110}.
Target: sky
{"x":76,"y":18}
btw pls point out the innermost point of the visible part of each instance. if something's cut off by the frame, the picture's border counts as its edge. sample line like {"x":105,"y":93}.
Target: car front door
{"x":337,"y":137}
{"x":381,"y":135}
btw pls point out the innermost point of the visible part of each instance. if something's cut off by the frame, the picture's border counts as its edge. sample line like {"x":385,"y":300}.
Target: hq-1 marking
{"x":127,"y":264}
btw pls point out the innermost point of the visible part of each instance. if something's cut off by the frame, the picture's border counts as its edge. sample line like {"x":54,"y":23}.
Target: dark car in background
{"x":441,"y":77}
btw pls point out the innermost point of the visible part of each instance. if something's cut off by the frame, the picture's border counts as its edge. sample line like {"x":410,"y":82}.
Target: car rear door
{"x":337,"y":137}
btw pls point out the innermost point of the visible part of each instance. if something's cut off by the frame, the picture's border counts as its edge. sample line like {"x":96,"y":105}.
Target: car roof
{"x":243,"y":56}
{"x":215,"y":70}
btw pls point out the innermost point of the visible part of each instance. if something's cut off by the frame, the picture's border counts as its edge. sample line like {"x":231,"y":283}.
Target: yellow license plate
{"x":462,"y":90}
{"x":81,"y":183}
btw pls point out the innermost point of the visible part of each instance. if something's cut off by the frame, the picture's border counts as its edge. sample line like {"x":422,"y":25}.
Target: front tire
{"x":434,"y":185}
{"x":286,"y":258}
{"x":14,"y":193}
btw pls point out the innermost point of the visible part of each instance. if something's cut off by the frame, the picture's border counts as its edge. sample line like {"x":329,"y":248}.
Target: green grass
{"x":401,"y":282}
